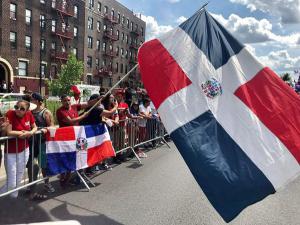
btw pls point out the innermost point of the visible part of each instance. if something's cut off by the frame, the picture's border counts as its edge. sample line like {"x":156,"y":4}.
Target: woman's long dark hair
{"x":106,"y":102}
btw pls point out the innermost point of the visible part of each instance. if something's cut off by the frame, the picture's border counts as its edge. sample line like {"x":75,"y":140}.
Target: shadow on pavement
{"x":18,"y":210}
{"x":62,"y":213}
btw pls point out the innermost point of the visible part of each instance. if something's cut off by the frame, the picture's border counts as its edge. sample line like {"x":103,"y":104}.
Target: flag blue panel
{"x":230,"y":180}
{"x":60,"y":162}
{"x":211,"y":38}
{"x":94,"y":130}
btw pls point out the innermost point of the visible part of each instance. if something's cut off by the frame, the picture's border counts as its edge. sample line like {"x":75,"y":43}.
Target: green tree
{"x":286,"y":77}
{"x":70,"y":75}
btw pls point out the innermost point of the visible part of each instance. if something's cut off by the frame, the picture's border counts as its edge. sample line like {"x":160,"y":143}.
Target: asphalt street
{"x":159,"y":192}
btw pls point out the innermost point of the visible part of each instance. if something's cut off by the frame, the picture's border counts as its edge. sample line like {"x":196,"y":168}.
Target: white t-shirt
{"x":143,"y":122}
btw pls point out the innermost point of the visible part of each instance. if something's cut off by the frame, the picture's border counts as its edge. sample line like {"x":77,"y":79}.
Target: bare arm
{"x":49,"y":118}
{"x":73,"y":121}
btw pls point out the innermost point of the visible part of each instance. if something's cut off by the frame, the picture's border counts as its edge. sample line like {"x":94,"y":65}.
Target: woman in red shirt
{"x":22,"y":126}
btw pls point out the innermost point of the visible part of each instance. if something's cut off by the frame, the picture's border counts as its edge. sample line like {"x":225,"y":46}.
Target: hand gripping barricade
{"x":24,"y":166}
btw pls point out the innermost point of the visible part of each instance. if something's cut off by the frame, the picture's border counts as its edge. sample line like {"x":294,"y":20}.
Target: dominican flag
{"x":77,"y":147}
{"x":235,"y":123}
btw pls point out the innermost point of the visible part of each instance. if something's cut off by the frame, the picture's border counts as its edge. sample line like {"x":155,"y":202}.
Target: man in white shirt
{"x":145,"y":113}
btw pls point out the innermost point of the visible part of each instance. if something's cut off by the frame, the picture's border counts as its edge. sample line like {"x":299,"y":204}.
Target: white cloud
{"x":251,"y":30}
{"x":153,"y":29}
{"x":280,"y":61}
{"x":181,"y":19}
{"x":287,"y":10}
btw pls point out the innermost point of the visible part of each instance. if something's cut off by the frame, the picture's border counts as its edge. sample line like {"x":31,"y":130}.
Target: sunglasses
{"x":19,"y":108}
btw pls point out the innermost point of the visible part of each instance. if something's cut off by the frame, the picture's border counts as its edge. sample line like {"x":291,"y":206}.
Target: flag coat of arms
{"x":235,"y":123}
{"x":77,"y":147}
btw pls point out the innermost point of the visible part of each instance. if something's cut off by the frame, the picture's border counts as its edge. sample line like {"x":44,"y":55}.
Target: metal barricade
{"x":23,"y":165}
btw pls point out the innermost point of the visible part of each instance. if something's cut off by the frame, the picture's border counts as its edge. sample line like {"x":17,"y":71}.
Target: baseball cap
{"x":37,"y":96}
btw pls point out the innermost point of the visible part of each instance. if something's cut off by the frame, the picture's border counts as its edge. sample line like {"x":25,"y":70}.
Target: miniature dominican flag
{"x":234,"y":121}
{"x":77,"y":147}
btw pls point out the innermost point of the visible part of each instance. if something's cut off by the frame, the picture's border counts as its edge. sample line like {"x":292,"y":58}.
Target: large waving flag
{"x":235,"y":123}
{"x":77,"y":147}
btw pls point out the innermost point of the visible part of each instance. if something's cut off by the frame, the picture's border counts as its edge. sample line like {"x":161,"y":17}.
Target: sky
{"x":269,"y":28}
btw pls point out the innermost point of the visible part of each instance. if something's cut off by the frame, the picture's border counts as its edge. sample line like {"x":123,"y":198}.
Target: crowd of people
{"x":28,"y":149}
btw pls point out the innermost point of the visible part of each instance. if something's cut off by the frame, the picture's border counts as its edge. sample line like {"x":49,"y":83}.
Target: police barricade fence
{"x":26,"y":168}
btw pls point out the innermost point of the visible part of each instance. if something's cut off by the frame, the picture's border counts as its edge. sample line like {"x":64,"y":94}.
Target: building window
{"x":117,"y":50}
{"x":89,"y":79}
{"x":122,"y":52}
{"x":42,"y":22}
{"x":91,"y":4}
{"x":104,"y":27}
{"x":13,"y":11}
{"x":123,"y":36}
{"x":110,"y":82}
{"x":126,"y":69}
{"x":111,"y":48}
{"x":127,"y":23}
{"x":123,"y":19}
{"x":43,"y":45}
{"x":75,"y":11}
{"x":90,"y":42}
{"x":53,"y":71}
{"x":104,"y":47}
{"x":53,"y":45}
{"x":112,"y":14}
{"x":28,"y":17}
{"x":43,"y":69}
{"x":75,"y":52}
{"x":126,"y":54}
{"x":98,"y":26}
{"x":90,"y":23}
{"x":13,"y":39}
{"x":89,"y":61}
{"x":53,"y":25}
{"x":105,"y":9}
{"x":131,"y":26}
{"x":23,"y":68}
{"x":98,"y":45}
{"x":75,"y":31}
{"x":117,"y":67}
{"x":126,"y":39}
{"x":99,"y":7}
{"x":119,"y":17}
{"x":122,"y":68}
{"x":53,"y":3}
{"x":142,"y":31}
{"x":118,"y":34}
{"x":28,"y":43}
{"x":97,"y":62}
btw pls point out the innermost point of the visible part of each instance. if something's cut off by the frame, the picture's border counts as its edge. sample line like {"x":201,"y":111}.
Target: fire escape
{"x":134,"y":46}
{"x":64,"y":10}
{"x":109,"y":53}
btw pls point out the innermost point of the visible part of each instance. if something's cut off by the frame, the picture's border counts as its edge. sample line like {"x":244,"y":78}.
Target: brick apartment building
{"x":36,"y":37}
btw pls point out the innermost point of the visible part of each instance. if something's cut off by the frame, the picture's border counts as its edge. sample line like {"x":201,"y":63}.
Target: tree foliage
{"x":70,"y":75}
{"x":286,"y":77}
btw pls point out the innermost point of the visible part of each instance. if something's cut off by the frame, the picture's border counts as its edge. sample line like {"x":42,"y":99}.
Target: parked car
{"x":9,"y":100}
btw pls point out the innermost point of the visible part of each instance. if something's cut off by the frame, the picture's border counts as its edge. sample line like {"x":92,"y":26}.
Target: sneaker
{"x":49,"y":188}
{"x":107,"y":167}
{"x":142,"y":154}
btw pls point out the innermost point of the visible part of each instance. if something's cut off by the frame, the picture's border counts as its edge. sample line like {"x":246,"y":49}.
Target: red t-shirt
{"x":18,"y":124}
{"x":122,"y":110}
{"x":62,"y":113}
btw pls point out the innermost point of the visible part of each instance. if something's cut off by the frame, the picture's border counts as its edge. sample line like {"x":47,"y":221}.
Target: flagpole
{"x":202,"y":7}
{"x":113,"y":87}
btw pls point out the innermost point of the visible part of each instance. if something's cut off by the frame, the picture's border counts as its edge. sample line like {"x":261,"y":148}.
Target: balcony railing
{"x":135,"y":32}
{"x":111,"y":54}
{"x":111,"y":19}
{"x":65,"y":34}
{"x":133,"y":60}
{"x":104,"y":71}
{"x":66,"y":9}
{"x":134,"y":46}
{"x":59,"y":55}
{"x":110,"y":36}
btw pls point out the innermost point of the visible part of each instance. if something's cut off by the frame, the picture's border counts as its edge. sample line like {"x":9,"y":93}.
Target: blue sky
{"x":270,"y":28}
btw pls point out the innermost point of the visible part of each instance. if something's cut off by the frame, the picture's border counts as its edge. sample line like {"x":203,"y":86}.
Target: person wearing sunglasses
{"x":21,"y":125}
